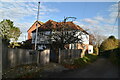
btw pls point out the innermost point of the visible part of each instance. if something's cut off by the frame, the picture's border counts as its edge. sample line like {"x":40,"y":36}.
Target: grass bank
{"x":80,"y":62}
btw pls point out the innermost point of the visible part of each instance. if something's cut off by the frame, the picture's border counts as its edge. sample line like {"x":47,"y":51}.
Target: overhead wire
{"x":116,"y":19}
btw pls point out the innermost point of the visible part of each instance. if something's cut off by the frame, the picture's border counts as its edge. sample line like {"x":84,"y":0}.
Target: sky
{"x":96,"y":17}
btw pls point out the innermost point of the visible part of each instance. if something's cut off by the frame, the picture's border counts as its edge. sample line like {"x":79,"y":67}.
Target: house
{"x":32,"y":28}
{"x":45,"y":29}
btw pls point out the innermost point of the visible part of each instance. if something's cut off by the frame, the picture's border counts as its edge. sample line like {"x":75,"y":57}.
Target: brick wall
{"x":32,"y":28}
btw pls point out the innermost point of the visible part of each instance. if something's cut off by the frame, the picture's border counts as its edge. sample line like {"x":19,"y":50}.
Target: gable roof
{"x":50,"y":24}
{"x":35,"y":23}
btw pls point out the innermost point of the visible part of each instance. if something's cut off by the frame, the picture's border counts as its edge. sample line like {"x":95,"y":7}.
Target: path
{"x":102,"y":68}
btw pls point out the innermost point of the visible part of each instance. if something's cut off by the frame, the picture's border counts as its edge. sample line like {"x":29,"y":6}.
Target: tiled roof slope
{"x":50,"y":24}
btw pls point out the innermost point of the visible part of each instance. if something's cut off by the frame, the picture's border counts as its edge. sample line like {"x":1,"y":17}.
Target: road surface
{"x":102,"y":68}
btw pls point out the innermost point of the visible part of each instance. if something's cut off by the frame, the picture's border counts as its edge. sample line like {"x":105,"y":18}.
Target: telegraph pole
{"x":36,"y":34}
{"x":37,"y":26}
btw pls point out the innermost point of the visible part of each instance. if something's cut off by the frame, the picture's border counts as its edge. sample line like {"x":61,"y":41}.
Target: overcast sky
{"x":95,"y":16}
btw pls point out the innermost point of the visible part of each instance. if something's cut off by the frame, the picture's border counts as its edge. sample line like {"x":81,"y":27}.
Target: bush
{"x":91,"y":57}
{"x":95,"y":50}
{"x":109,"y":44}
{"x":115,"y":57}
{"x":80,"y":62}
{"x":88,"y":58}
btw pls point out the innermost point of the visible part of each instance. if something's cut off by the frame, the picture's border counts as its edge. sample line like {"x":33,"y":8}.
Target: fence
{"x":13,"y":57}
{"x":69,"y":54}
{"x":0,"y":58}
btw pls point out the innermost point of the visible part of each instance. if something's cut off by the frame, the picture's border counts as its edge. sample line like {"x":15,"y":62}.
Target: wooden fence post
{"x":38,"y":58}
{"x":0,"y":58}
{"x":59,"y":58}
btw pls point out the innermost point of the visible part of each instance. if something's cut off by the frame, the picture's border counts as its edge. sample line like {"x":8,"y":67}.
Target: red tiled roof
{"x":50,"y":24}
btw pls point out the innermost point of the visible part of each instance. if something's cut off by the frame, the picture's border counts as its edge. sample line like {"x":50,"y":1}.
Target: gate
{"x":54,"y":55}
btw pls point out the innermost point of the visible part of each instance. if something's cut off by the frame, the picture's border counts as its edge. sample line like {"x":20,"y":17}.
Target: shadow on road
{"x":102,"y":68}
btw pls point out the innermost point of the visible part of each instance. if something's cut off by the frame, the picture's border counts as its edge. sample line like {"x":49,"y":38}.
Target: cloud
{"x":113,"y":13}
{"x":78,"y":23}
{"x":59,"y":0}
{"x":20,"y":0}
{"x":18,"y":12}
{"x":84,"y":26}
{"x":99,"y":18}
{"x":102,"y":24}
{"x":90,"y":21}
{"x":23,"y":28}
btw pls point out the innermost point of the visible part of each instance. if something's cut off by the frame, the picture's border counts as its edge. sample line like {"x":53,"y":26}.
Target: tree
{"x":4,"y":29}
{"x":15,"y":33}
{"x":9,"y":31}
{"x":96,"y":39}
{"x":92,"y":39}
{"x":66,"y":35}
{"x":26,"y":44}
{"x":109,"y":44}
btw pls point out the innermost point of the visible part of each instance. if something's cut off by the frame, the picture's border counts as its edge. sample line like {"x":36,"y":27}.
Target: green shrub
{"x":91,"y":57}
{"x":109,"y":44}
{"x":79,"y":62}
{"x":88,"y":58}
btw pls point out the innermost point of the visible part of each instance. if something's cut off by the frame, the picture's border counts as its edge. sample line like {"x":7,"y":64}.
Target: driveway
{"x":102,"y":68}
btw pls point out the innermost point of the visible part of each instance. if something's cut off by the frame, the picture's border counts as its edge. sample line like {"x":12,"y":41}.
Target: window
{"x":75,"y":46}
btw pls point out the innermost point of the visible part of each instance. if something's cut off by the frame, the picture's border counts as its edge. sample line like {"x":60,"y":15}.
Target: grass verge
{"x":80,"y":62}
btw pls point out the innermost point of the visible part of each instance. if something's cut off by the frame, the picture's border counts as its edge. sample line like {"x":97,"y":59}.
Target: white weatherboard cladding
{"x":45,"y":39}
{"x":85,"y":37}
{"x":42,"y":37}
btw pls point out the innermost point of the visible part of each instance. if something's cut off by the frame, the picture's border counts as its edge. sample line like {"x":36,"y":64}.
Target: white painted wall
{"x":85,"y":39}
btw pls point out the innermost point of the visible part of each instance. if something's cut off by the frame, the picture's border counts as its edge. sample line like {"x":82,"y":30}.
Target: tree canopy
{"x":66,"y":35}
{"x":9,"y":31}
